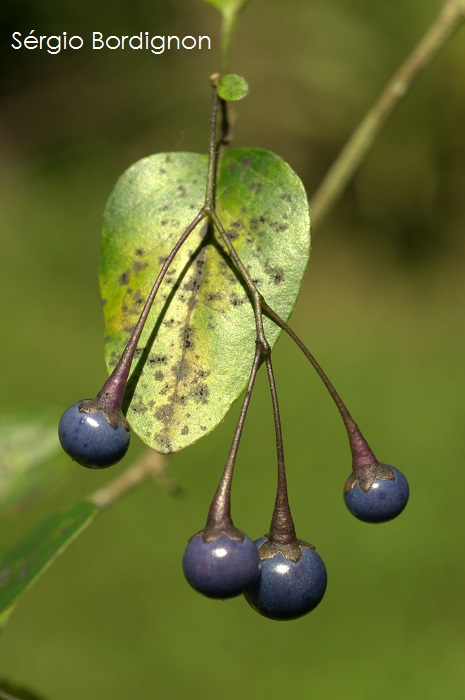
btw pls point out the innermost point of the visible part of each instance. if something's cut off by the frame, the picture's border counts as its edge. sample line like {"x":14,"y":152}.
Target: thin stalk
{"x":230,"y":12}
{"x":282,"y":530}
{"x":251,"y":286}
{"x":219,"y":514}
{"x":113,"y":389}
{"x":209,"y":209}
{"x":7,"y":696}
{"x":228,"y":26}
{"x":149,"y":465}
{"x":362,"y":455}
{"x":213,"y":151}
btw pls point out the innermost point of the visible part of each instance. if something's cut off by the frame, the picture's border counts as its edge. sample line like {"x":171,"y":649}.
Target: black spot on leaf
{"x":138,"y":266}
{"x":164,"y":413}
{"x":187,"y":336}
{"x":276,"y":273}
{"x":200,"y":393}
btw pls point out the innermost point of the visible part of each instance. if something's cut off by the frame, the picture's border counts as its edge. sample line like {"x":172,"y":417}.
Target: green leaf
{"x":196,"y":351}
{"x":232,"y":87}
{"x":228,"y":7}
{"x":23,"y":565}
{"x":28,"y":445}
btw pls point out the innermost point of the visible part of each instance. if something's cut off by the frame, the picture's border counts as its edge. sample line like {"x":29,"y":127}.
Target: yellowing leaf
{"x":196,"y":351}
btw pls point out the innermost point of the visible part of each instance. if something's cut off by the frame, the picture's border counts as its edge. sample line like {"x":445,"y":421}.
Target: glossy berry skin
{"x":286,"y":589}
{"x":385,"y":499}
{"x":90,"y":440}
{"x":222,"y":568}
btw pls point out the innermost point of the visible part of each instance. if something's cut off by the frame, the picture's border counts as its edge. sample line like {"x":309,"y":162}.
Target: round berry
{"x":286,"y":589}
{"x":221,"y":568}
{"x":90,"y":440}
{"x":384,"y":500}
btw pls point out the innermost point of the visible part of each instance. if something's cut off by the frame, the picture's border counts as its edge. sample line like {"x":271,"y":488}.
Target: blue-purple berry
{"x":90,"y":440}
{"x":286,"y":589}
{"x":384,"y":500}
{"x":221,"y":568}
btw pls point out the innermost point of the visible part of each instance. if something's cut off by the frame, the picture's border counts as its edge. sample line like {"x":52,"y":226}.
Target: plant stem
{"x":450,"y":17}
{"x":362,"y":455}
{"x":251,"y":286}
{"x":214,"y":148}
{"x":230,"y":12}
{"x":219,"y":514}
{"x":7,"y":696}
{"x":282,"y":530}
{"x":209,"y":209}
{"x":113,"y":389}
{"x":149,"y":464}
{"x":228,"y":26}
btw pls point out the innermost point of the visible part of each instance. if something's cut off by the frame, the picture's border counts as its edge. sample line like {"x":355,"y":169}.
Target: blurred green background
{"x":381,"y":307}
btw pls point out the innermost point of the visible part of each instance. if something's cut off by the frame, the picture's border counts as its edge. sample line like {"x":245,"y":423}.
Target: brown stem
{"x":111,"y":394}
{"x":282,"y":530}
{"x":219,"y":515}
{"x":362,"y":455}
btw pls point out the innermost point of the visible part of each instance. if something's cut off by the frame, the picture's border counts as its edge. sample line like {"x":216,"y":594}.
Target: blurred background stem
{"x":150,"y":464}
{"x":450,"y":17}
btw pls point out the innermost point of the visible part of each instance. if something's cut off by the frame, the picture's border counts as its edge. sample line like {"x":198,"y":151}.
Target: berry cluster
{"x":281,"y":577}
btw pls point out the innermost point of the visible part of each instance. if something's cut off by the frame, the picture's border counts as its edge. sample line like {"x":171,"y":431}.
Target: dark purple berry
{"x":221,"y":568}
{"x":89,"y":439}
{"x":287,"y":589}
{"x":376,"y":495}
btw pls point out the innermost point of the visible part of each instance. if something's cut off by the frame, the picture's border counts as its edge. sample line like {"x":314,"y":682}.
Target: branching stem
{"x":209,"y":210}
{"x":282,"y":530}
{"x":449,"y":19}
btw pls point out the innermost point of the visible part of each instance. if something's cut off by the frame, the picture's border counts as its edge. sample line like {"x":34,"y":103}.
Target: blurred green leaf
{"x":28,"y":444}
{"x":197,"y":348}
{"x":23,"y":565}
{"x":232,"y":87}
{"x":230,"y":11}
{"x":228,"y":7}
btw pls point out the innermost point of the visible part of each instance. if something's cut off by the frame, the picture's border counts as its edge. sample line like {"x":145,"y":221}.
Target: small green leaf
{"x":228,"y":7}
{"x":196,"y":351}
{"x":28,"y":446}
{"x":23,"y":565}
{"x":232,"y":87}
